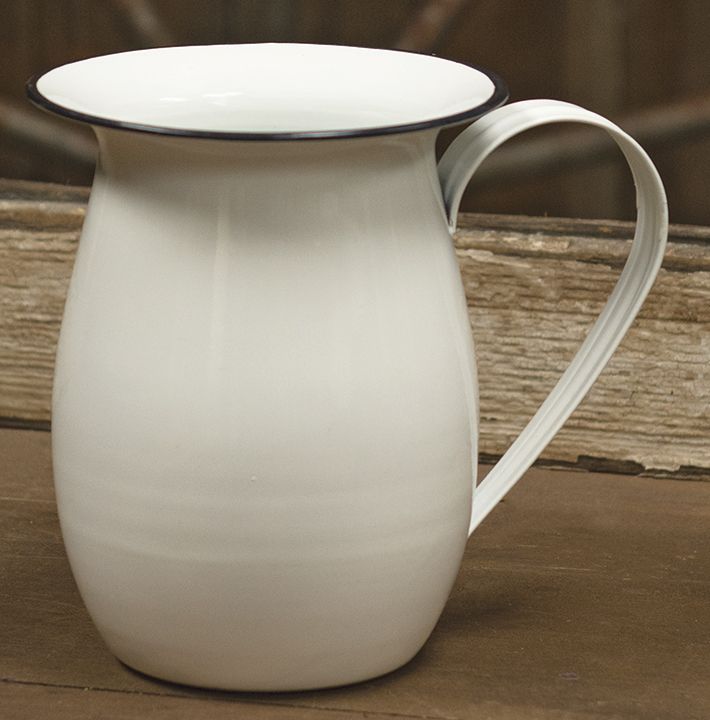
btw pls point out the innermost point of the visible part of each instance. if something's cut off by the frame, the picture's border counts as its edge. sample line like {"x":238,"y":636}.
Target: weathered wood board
{"x":534,"y":287}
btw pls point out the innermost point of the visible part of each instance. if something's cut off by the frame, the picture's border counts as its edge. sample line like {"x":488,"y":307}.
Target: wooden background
{"x":534,"y":287}
{"x":645,"y":63}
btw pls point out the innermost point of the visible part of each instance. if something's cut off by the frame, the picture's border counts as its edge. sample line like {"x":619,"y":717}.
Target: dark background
{"x":643,"y":63}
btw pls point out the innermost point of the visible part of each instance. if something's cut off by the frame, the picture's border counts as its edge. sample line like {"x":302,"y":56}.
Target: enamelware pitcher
{"x":265,"y":410}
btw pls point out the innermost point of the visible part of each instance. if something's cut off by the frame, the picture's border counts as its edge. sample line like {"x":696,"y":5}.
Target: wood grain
{"x":21,"y":701}
{"x":583,"y":596}
{"x":534,"y":287}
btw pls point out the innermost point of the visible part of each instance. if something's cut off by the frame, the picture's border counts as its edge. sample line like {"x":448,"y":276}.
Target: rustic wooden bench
{"x":586,"y":594}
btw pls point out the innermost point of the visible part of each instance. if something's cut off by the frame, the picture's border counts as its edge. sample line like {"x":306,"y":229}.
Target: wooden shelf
{"x":534,"y":287}
{"x":583,"y":596}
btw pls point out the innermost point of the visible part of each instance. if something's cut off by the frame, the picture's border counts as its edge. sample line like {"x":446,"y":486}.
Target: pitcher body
{"x":264,"y":408}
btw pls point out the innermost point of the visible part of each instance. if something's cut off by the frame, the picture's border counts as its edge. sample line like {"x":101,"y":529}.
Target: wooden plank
{"x":582,"y":596}
{"x":534,"y":291}
{"x":533,"y":286}
{"x":594,"y":74}
{"x":38,"y":239}
{"x":29,"y":702}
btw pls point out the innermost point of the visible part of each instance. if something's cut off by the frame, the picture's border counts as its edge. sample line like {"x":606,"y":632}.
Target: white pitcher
{"x":265,"y":410}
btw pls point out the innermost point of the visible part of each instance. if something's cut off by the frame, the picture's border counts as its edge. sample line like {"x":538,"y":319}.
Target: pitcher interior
{"x":268,"y":89}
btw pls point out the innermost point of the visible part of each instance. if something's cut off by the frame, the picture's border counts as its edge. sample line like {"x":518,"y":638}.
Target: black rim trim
{"x":499,"y":97}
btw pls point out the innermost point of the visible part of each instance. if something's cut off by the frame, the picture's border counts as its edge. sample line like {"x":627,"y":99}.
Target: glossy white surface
{"x":267,"y":87}
{"x":264,"y":408}
{"x":265,"y":403}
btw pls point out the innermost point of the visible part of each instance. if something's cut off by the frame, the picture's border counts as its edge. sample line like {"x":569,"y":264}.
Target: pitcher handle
{"x":456,"y":167}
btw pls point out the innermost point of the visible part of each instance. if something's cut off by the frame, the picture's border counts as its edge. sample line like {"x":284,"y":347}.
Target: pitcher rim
{"x":497,"y":98}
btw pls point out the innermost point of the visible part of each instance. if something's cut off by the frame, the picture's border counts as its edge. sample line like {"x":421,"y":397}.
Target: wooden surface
{"x":584,"y":596}
{"x":533,"y":286}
